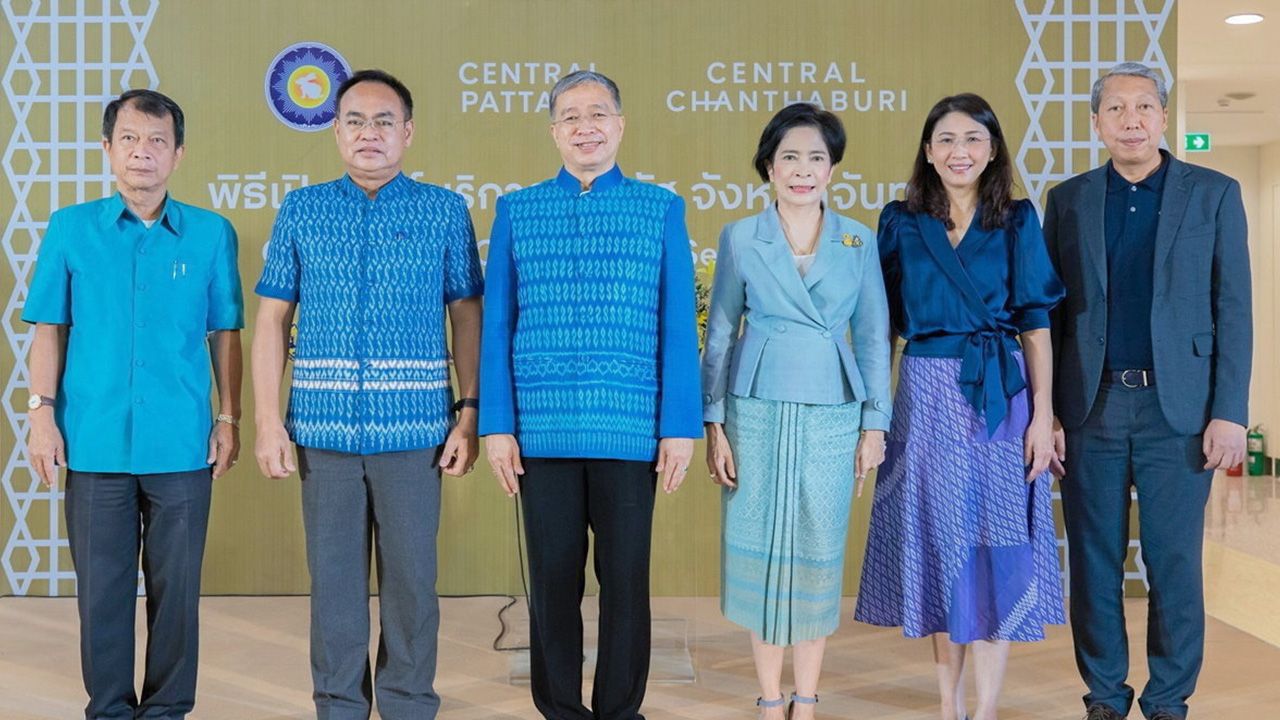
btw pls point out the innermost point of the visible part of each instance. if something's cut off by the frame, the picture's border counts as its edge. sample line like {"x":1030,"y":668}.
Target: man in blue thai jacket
{"x":589,"y":391}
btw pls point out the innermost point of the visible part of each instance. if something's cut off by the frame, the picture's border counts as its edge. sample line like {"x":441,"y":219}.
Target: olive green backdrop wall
{"x":699,"y":80}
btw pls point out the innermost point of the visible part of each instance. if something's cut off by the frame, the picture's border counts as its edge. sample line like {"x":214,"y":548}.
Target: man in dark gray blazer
{"x":1153,"y":348}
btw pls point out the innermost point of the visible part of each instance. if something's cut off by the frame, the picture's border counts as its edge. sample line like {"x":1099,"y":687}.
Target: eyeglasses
{"x":379,"y":125}
{"x":968,"y":142}
{"x":594,"y":119}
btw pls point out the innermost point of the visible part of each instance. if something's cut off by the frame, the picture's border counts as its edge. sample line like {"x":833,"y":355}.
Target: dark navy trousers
{"x":110,"y":518}
{"x":1127,"y":443}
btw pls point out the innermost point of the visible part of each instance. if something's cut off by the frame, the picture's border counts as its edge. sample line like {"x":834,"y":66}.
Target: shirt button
{"x":139,"y":323}
{"x":1133,"y":209}
{"x":140,"y":362}
{"x":826,"y":334}
{"x":142,"y":251}
{"x":1102,"y":340}
{"x":138,"y":400}
{"x":142,"y":286}
{"x":780,"y":328}
{"x":1133,"y":188}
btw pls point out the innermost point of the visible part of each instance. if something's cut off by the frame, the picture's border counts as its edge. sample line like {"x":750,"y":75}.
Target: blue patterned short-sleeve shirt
{"x":371,"y":278}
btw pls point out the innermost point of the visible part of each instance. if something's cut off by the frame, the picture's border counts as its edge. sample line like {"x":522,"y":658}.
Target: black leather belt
{"x":1134,"y":378}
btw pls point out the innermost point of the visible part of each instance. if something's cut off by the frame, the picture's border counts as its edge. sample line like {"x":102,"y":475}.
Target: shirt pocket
{"x":183,"y":279}
{"x":189,"y":272}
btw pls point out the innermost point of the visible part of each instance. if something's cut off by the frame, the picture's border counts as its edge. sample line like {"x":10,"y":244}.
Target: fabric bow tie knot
{"x":989,"y":376}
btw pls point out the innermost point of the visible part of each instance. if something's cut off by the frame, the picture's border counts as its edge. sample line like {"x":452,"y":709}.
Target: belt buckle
{"x":1124,"y":378}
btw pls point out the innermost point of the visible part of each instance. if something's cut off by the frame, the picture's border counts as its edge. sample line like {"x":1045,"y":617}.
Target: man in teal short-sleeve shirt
{"x":135,"y":298}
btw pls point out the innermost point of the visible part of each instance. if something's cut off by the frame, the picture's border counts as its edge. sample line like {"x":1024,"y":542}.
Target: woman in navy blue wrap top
{"x":962,"y":546}
{"x":971,"y":301}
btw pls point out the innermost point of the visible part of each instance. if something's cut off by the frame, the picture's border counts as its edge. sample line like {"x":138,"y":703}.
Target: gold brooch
{"x":851,"y":240}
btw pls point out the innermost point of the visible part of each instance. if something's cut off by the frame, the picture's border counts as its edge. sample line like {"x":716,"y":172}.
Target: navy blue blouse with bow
{"x":971,"y":301}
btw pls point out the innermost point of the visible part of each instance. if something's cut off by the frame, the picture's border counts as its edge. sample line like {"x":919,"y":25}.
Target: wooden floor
{"x":254,"y":667}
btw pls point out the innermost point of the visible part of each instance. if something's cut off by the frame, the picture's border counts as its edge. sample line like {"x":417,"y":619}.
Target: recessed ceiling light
{"x":1244,"y":19}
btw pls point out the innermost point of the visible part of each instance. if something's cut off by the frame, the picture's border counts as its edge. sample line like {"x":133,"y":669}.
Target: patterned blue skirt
{"x":959,"y":542}
{"x":782,"y":552}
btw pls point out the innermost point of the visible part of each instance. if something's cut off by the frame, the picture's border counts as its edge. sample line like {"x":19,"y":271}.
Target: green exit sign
{"x":1198,"y":142}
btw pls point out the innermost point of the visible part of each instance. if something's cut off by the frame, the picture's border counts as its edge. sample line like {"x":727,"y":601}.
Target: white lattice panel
{"x":68,"y":61}
{"x":1054,"y":81}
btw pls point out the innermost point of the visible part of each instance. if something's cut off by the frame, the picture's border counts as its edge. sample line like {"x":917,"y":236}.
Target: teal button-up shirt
{"x":135,"y":391}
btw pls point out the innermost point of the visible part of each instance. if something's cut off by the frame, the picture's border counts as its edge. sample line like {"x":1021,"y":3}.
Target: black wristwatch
{"x":466,"y":403}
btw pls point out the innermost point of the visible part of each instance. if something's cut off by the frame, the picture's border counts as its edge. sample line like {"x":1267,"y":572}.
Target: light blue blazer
{"x":795,"y":342}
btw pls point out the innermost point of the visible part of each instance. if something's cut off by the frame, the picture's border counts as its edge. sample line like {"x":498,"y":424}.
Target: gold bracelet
{"x":228,"y":419}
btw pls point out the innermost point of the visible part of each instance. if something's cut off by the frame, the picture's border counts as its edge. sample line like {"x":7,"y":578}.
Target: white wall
{"x":1241,"y":564}
{"x":1258,"y":171}
{"x":1265,"y":239}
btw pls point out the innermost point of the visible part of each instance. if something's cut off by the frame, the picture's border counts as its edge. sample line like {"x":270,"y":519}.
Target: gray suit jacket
{"x":1201,"y":311}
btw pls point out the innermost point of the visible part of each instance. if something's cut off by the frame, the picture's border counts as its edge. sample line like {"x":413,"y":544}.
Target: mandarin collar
{"x":610,"y":179}
{"x":391,"y":188}
{"x":115,"y":208}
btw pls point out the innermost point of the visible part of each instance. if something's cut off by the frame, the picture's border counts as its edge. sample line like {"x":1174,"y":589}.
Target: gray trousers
{"x":389,"y":503}
{"x":110,"y":516}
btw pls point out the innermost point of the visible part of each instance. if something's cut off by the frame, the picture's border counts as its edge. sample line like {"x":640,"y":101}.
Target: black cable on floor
{"x":511,"y":599}
{"x":524,"y":583}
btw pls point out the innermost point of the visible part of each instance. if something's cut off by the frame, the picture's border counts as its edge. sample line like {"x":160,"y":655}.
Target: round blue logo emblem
{"x":302,"y":83}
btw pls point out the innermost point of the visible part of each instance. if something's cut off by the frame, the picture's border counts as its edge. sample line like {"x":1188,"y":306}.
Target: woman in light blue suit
{"x":795,"y":414}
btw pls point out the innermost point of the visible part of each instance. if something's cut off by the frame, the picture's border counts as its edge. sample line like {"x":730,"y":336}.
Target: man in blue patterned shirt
{"x":589,"y":376}
{"x":370,"y":262}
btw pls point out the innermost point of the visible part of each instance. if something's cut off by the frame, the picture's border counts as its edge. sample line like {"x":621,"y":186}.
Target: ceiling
{"x":1215,"y":59}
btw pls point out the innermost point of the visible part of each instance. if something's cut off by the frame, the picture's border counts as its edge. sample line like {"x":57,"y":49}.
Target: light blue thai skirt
{"x":783,"y":540}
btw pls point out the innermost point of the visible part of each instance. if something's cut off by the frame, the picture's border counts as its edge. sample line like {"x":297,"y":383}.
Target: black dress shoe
{"x":1166,"y":715}
{"x":1098,"y":711}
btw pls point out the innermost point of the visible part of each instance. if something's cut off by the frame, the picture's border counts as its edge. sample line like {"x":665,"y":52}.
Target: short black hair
{"x":799,"y":115}
{"x":378,"y":76}
{"x":149,"y":102}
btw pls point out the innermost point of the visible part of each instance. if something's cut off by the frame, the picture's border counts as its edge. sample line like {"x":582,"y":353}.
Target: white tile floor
{"x":254,"y":666}
{"x":1243,"y":513}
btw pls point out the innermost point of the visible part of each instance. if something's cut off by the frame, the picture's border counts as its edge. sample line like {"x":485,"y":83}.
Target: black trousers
{"x":561,"y":500}
{"x":110,"y":516}
{"x":1126,"y":442}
